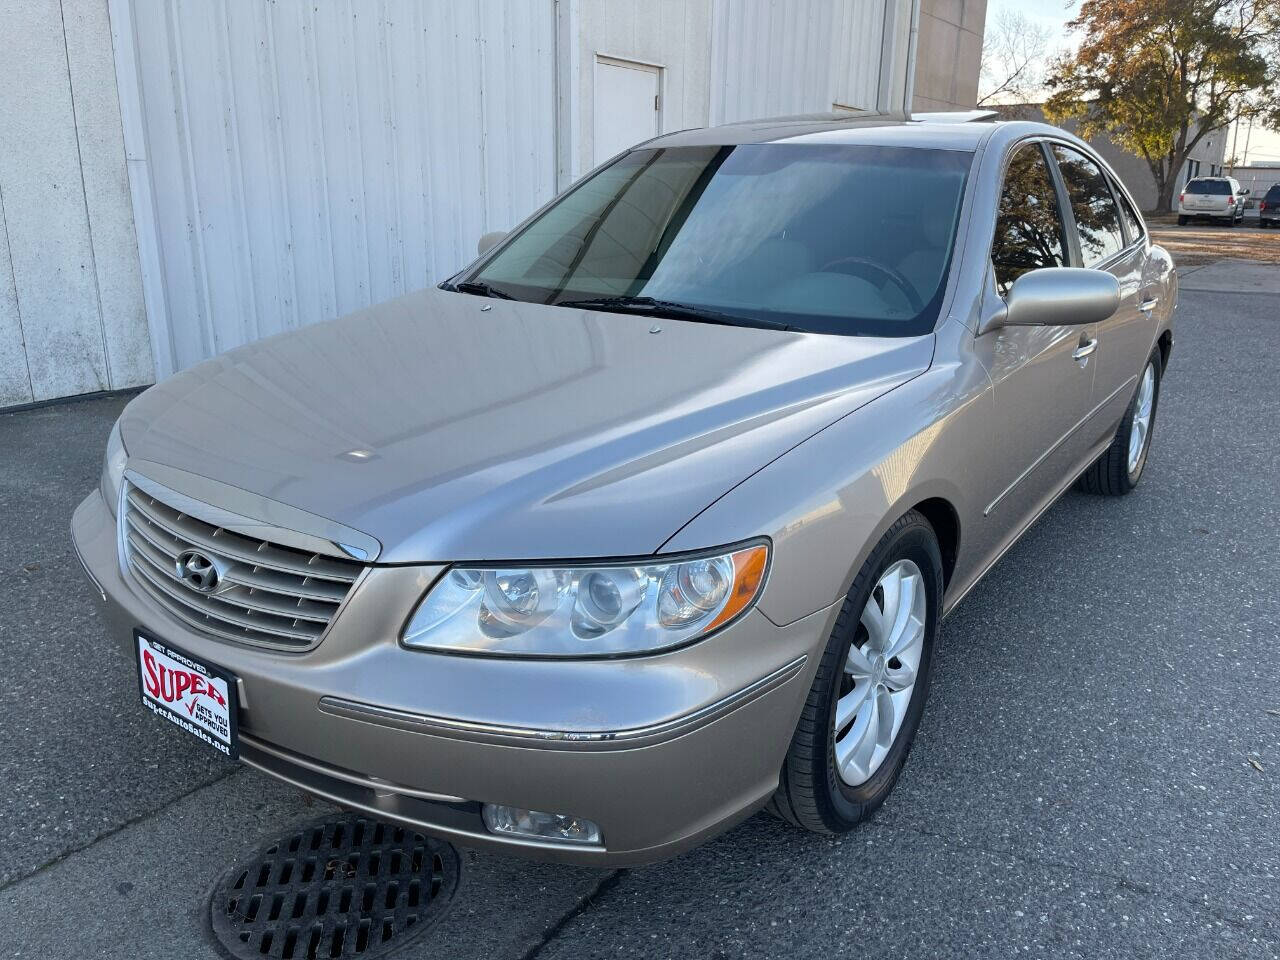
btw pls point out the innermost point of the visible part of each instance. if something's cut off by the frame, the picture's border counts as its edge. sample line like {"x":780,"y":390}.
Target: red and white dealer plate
{"x":195,"y":696}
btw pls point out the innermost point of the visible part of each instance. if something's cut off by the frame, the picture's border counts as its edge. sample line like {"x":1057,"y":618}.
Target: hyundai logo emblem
{"x":197,"y":571}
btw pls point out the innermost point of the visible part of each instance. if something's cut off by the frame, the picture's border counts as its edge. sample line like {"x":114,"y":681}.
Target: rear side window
{"x":1219,"y":188}
{"x":1095,"y":211}
{"x":1029,"y":232}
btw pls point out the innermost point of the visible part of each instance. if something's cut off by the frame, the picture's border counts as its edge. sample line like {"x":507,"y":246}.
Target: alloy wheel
{"x":880,"y":672}
{"x":1141,"y":427}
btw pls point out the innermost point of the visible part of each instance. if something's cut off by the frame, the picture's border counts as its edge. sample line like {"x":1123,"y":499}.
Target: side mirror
{"x":1053,"y":296}
{"x":1243,"y":193}
{"x":486,"y":243}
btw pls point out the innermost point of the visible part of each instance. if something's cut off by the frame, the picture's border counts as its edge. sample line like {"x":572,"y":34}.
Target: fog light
{"x":540,"y":826}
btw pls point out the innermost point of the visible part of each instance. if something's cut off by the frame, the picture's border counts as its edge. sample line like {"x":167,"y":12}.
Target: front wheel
{"x":866,"y":701}
{"x":1118,"y":470}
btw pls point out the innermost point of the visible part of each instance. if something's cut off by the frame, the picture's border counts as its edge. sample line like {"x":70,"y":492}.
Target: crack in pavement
{"x":585,"y":903}
{"x":123,"y":825}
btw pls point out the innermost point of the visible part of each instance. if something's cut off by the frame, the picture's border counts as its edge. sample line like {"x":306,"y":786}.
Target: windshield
{"x":1216,"y":187}
{"x":823,"y":238}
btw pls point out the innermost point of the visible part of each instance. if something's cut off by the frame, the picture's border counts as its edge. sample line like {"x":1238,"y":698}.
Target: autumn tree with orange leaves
{"x":1157,"y":76}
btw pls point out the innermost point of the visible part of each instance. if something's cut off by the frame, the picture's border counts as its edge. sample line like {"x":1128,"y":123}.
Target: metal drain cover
{"x":344,"y":886}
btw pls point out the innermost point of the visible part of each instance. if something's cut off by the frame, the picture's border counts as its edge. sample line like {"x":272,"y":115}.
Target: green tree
{"x":1157,"y":76}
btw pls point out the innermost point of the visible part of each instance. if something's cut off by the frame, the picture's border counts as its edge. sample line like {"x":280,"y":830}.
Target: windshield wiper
{"x":480,"y":289}
{"x":648,"y":306}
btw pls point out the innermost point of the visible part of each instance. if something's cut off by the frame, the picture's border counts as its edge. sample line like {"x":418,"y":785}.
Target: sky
{"x":1264,"y":145}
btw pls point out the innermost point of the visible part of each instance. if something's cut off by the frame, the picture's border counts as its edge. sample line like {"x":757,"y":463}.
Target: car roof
{"x":947,"y":131}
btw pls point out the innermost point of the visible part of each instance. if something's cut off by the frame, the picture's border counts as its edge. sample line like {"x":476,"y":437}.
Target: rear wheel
{"x":1118,"y":470}
{"x":866,"y":701}
{"x":1182,"y":221}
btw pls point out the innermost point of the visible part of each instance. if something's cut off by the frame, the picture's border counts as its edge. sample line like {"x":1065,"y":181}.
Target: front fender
{"x":827,"y":501}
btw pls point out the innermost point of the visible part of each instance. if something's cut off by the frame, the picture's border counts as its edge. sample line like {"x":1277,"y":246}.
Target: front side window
{"x":1095,"y":211}
{"x":1029,"y":232}
{"x":826,"y":238}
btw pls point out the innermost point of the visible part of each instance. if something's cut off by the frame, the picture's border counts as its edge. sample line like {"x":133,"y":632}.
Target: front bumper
{"x":661,"y":752}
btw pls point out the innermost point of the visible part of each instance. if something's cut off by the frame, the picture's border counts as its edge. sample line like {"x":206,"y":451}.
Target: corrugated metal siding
{"x":305,"y":160}
{"x":858,"y":53}
{"x":71,"y":317}
{"x":780,"y":57}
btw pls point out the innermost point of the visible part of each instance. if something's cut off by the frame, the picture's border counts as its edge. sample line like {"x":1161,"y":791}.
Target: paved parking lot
{"x":1082,"y":785}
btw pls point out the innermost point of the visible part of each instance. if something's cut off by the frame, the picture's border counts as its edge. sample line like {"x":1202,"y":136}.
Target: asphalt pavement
{"x":1096,"y":775}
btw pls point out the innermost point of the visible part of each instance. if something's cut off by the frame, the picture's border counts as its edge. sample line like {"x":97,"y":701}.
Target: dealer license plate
{"x":195,"y":696}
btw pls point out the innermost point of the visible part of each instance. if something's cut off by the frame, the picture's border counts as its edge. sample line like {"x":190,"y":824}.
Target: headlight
{"x":113,"y":468}
{"x":587,"y":610}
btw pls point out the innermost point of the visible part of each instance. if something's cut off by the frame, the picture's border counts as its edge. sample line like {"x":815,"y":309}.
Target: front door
{"x":1042,"y":375}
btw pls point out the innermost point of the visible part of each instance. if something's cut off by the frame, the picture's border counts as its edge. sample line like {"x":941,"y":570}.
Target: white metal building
{"x":178,"y":177}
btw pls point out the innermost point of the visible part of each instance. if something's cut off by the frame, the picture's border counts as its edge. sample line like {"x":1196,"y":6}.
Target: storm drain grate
{"x":344,"y":886}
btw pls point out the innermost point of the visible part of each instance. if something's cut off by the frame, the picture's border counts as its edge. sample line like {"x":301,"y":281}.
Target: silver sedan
{"x":650,"y":517}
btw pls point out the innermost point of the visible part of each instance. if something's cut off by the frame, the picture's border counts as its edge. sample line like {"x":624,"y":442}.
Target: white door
{"x":626,"y":105}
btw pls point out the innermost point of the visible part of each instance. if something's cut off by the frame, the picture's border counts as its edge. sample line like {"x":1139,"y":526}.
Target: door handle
{"x":1148,"y":304}
{"x":1085,"y":349}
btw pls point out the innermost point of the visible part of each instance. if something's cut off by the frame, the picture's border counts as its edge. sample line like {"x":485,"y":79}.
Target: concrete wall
{"x":948,"y":54}
{"x":71,"y":312}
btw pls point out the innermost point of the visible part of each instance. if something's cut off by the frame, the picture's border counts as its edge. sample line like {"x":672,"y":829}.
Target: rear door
{"x":1105,"y":242}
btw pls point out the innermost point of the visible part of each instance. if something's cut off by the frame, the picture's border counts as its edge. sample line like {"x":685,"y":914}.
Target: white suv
{"x":1219,"y":198}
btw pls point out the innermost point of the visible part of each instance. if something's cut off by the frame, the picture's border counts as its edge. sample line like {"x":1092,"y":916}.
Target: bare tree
{"x":1014,"y":56}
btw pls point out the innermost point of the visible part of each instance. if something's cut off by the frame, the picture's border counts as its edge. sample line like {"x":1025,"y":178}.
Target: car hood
{"x":451,"y":427}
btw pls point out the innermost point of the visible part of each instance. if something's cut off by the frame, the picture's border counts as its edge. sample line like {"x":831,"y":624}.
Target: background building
{"x":178,"y":177}
{"x":1257,"y":178}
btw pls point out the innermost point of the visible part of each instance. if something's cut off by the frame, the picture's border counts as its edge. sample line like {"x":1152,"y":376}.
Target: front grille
{"x":268,"y":594}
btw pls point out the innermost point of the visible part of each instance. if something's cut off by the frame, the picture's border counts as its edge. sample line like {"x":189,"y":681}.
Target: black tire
{"x":1182,"y":221}
{"x":810,"y":792}
{"x":1110,"y":475}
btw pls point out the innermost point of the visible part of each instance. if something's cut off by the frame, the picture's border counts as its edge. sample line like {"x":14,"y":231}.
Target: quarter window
{"x":1132,"y":222}
{"x":1029,"y":232}
{"x":1095,"y":211}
